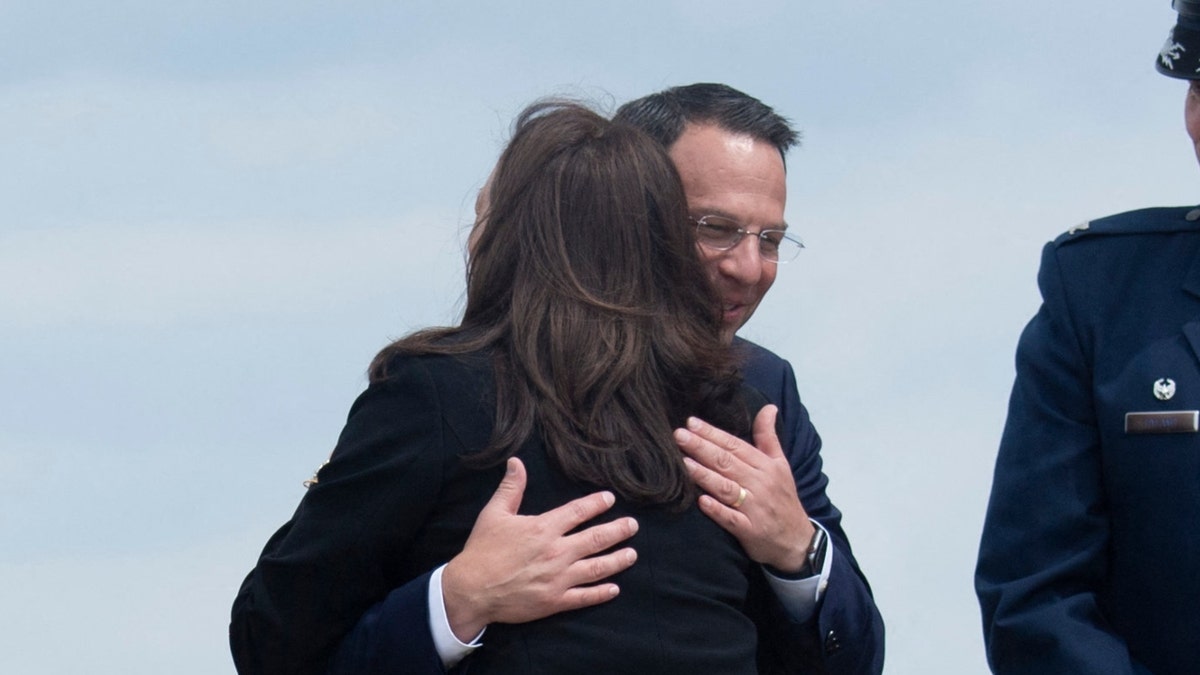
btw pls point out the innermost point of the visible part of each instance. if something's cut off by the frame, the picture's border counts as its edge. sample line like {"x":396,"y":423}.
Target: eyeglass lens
{"x":723,"y":234}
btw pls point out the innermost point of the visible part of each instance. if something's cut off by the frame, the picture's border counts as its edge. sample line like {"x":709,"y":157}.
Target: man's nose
{"x":743,"y":262}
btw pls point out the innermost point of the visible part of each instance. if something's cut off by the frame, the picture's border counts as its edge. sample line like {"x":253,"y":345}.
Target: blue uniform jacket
{"x":846,"y":637}
{"x":1090,"y":561}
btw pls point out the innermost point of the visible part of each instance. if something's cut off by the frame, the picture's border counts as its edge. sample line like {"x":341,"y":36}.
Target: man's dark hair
{"x":665,"y":114}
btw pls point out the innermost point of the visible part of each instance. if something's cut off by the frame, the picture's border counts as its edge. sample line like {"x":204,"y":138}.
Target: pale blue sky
{"x":216,"y":212}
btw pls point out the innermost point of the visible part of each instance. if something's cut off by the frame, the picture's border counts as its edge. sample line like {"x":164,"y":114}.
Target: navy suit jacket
{"x":845,"y":637}
{"x":1089,"y":561}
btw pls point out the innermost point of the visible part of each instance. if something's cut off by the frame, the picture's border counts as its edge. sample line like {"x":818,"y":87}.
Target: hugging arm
{"x":846,"y":634}
{"x":513,"y":569}
{"x":338,"y":555}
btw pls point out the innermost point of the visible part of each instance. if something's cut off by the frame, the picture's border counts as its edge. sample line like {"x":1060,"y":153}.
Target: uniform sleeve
{"x":1043,"y":551}
{"x":344,"y":548}
{"x":846,"y":636}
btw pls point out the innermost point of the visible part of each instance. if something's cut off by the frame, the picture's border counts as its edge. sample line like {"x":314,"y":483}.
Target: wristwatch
{"x":816,"y":552}
{"x":814,"y":559}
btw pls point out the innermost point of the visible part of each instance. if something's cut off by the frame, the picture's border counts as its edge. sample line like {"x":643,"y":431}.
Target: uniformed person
{"x":1090,"y":557}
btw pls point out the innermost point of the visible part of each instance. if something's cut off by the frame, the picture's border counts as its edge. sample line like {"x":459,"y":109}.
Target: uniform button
{"x":1192,"y":216}
{"x":832,"y":642}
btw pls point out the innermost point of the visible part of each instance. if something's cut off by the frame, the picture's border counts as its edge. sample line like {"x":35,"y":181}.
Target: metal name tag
{"x":1172,"y":422}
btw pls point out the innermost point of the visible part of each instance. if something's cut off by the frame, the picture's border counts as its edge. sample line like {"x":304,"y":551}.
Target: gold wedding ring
{"x":742,"y":494}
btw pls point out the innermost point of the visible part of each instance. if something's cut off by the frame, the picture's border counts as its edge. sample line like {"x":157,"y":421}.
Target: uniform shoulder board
{"x":1142,"y":221}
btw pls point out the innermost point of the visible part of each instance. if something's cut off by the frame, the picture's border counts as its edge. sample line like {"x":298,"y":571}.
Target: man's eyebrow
{"x":716,"y":211}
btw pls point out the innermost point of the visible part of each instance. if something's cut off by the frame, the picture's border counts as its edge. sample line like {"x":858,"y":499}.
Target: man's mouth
{"x":732,"y":312}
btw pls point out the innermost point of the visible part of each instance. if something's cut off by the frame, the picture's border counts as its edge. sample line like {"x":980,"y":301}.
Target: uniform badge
{"x":1164,"y":389}
{"x":1171,"y":422}
{"x":1171,"y":51}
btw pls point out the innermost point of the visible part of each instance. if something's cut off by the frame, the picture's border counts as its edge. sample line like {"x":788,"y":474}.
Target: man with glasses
{"x":729,"y":149}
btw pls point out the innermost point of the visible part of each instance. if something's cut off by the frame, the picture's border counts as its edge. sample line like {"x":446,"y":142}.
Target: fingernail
{"x":608,"y":498}
{"x":633,"y":526}
{"x":682,"y":435}
{"x":693,"y":423}
{"x":510,"y":467}
{"x":613,"y":590}
{"x":630,"y":556}
{"x":690,"y":463}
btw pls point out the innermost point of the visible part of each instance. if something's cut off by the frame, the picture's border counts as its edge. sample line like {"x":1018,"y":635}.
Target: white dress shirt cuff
{"x":450,"y":648}
{"x":802,"y":596}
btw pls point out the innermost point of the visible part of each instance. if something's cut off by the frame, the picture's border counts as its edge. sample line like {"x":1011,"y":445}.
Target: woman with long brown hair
{"x":589,"y":334}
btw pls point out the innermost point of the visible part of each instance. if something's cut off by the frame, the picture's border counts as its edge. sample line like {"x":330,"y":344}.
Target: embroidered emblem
{"x":1164,"y":389}
{"x":1079,"y":227}
{"x":1171,"y":51}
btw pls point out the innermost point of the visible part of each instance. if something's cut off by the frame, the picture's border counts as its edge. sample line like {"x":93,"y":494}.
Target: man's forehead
{"x":740,"y":142}
{"x":699,"y":139}
{"x":710,"y":152}
{"x":732,"y":175}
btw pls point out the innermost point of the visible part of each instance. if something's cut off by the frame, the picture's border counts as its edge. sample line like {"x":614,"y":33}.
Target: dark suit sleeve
{"x":343,"y":550}
{"x":847,"y":635}
{"x":392,"y":637}
{"x":1043,"y":552}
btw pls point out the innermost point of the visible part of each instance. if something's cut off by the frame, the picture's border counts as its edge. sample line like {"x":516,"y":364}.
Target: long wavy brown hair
{"x":585,"y":285}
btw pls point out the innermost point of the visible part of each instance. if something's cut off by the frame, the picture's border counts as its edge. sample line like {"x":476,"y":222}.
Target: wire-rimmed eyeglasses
{"x":722,"y":234}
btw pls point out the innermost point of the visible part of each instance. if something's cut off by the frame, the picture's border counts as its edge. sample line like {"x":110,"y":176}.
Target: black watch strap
{"x":816,"y":551}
